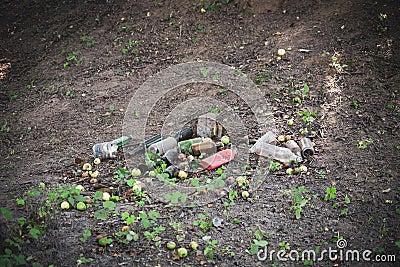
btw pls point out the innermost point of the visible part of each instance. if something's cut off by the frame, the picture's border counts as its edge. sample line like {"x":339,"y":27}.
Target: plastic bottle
{"x":281,"y":154}
{"x":163,"y":146}
{"x":269,"y":138}
{"x":294,"y":147}
{"x":171,"y":156}
{"x":105,"y":150}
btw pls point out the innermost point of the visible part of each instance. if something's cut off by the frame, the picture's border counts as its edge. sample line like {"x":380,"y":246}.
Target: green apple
{"x":225,"y":140}
{"x":171,"y":245}
{"x":182,"y":252}
{"x":80,"y":206}
{"x":65,"y":205}
{"x":194,"y":245}
{"x":281,"y":52}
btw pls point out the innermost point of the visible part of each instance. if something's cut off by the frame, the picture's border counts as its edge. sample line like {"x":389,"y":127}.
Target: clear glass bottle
{"x":206,"y":147}
{"x":163,"y":146}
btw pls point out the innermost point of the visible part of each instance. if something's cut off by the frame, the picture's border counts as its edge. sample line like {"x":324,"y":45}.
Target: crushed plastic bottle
{"x":282,"y":154}
{"x":294,"y":147}
{"x":269,"y":138}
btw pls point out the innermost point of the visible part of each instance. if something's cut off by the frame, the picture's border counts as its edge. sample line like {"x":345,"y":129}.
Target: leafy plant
{"x":120,"y":174}
{"x":307,"y":116}
{"x":274,"y":166}
{"x":258,"y":242}
{"x":354,"y":104}
{"x":89,"y":40}
{"x":203,"y":223}
{"x":211,"y":248}
{"x":330,"y":193}
{"x":299,"y":200}
{"x":86,"y":234}
{"x":283,"y":245}
{"x":175,"y":197}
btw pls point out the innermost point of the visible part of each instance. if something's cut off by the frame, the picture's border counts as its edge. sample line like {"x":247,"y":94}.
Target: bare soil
{"x":62,"y":92}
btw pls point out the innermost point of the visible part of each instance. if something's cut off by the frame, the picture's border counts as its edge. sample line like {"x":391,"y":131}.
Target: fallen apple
{"x":136,"y":172}
{"x":225,"y":140}
{"x":80,"y":187}
{"x":80,"y":206}
{"x":97,"y":161}
{"x":245,"y":194}
{"x":182,"y":252}
{"x":194,"y":245}
{"x":87,"y":167}
{"x":171,"y":245}
{"x":281,"y":52}
{"x":182,"y":174}
{"x":94,"y":174}
{"x":65,"y":205}
{"x":289,"y":171}
{"x":106,"y":196}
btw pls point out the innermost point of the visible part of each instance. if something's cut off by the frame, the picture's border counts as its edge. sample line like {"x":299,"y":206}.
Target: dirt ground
{"x":69,"y":69}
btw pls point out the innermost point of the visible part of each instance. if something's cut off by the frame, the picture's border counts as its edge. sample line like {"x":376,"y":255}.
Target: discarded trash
{"x":184,"y":134}
{"x":294,"y":147}
{"x":172,"y":171}
{"x":306,"y":147}
{"x":122,"y":140}
{"x":152,"y":140}
{"x":206,"y":124}
{"x":269,"y":138}
{"x":171,"y":156}
{"x":105,"y":150}
{"x":163,"y":146}
{"x":281,"y":154}
{"x":186,"y":146}
{"x":217,"y":221}
{"x":206,"y":147}
{"x":219,"y":131}
{"x":218,"y":159}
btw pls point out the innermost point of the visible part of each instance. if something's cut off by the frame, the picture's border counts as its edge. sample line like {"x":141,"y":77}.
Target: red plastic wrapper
{"x":218,"y":159}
